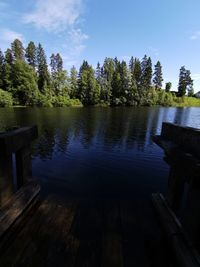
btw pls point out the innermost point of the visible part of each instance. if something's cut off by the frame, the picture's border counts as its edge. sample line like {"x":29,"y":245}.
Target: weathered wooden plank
{"x":133,"y":212}
{"x":45,"y":239}
{"x":23,"y":165}
{"x":11,"y":255}
{"x":6,"y":177}
{"x":88,"y":228}
{"x":52,"y":245}
{"x":185,"y":253}
{"x":112,"y":254}
{"x":16,"y":206}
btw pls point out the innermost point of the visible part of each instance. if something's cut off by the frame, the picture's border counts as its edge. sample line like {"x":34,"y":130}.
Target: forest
{"x":26,"y":79}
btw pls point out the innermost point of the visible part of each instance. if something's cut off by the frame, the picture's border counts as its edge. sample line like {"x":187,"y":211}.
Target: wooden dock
{"x":179,"y":212}
{"x":80,"y":232}
{"x":38,"y":230}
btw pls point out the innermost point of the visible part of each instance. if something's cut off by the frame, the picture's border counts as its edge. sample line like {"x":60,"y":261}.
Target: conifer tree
{"x":185,"y":82}
{"x":134,"y":81}
{"x":107,"y":73}
{"x":43,"y":74}
{"x":31,"y":54}
{"x":137,"y":72}
{"x":168,"y":87}
{"x":2,"y":69}
{"x":146,"y":76}
{"x":89,"y":89}
{"x":59,"y":79}
{"x":8,"y":78}
{"x":132,"y":64}
{"x":17,"y":50}
{"x":157,"y":80}
{"x":73,"y":83}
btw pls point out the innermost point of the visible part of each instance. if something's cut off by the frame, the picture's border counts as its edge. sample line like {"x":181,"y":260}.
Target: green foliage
{"x":31,"y":55}
{"x":185,"y":82}
{"x":44,"y":101}
{"x":146,"y":72}
{"x":168,"y":87}
{"x":24,"y":75}
{"x":157,"y":80}
{"x":43,"y":73}
{"x":5,"y":99}
{"x":17,"y":50}
{"x":186,"y":102}
{"x":2,"y":69}
{"x":73,"y":88}
{"x":24,"y":84}
{"x":89,"y":89}
{"x":62,"y":101}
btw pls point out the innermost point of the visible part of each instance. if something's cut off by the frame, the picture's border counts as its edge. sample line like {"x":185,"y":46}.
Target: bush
{"x":75,"y":103}
{"x":44,"y":101}
{"x":6,"y":99}
{"x":165,"y":99}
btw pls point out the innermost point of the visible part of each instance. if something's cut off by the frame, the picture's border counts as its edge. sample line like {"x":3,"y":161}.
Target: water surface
{"x":101,"y":152}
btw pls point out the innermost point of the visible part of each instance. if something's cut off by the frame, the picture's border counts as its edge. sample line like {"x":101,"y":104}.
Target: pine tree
{"x":107,"y":73}
{"x":134,"y":81}
{"x":137,"y":72}
{"x":185,"y":82}
{"x":59,"y":79}
{"x":124,"y":82}
{"x":190,"y":89}
{"x":89,"y":90}
{"x":132,"y":64}
{"x":43,"y":74}
{"x":17,"y":50}
{"x":73,"y":83}
{"x":2,"y":69}
{"x":157,"y":80}
{"x":31,"y":54}
{"x":146,"y":76}
{"x":9,"y":59}
{"x":8,"y":78}
{"x":59,"y":62}
{"x":116,"y":83}
{"x":98,"y":73}
{"x":168,"y":87}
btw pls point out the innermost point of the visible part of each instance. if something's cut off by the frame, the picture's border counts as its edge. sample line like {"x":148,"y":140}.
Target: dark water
{"x":99,"y":152}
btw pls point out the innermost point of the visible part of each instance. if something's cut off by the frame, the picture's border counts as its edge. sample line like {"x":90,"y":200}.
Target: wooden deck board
{"x":80,"y":233}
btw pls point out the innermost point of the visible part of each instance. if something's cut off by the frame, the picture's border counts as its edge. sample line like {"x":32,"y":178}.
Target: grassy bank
{"x":186,"y":102}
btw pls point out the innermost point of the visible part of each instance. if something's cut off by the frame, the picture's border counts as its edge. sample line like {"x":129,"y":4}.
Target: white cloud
{"x":7,"y":35}
{"x":62,"y":18}
{"x":195,"y":35}
{"x":54,"y":15}
{"x":77,"y":36}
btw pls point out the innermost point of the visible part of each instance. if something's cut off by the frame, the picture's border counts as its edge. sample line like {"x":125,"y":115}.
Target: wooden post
{"x":23,"y":165}
{"x":175,"y":187}
{"x":16,"y":141}
{"x":6,"y":177}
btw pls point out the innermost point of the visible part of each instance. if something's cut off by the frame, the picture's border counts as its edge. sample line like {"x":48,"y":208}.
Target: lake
{"x":99,"y":152}
{"x":98,"y":168}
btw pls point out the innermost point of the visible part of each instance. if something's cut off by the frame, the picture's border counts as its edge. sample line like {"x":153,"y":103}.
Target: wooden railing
{"x":15,"y":160}
{"x":181,"y":146}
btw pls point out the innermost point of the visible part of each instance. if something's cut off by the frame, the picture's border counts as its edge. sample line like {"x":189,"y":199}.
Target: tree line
{"x":27,"y":79}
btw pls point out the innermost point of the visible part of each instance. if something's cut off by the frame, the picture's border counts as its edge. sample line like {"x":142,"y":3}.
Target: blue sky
{"x":167,"y":30}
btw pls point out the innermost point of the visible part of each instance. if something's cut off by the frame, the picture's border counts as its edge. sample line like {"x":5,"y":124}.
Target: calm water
{"x":99,"y":152}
